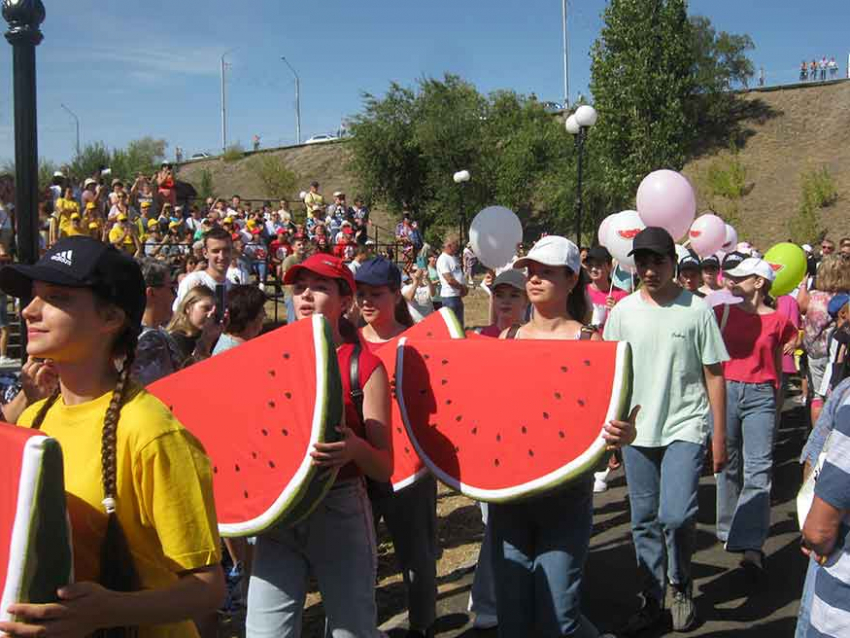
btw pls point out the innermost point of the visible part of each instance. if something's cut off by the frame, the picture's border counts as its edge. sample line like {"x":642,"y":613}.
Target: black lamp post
{"x":25,"y":18}
{"x":577,"y":124}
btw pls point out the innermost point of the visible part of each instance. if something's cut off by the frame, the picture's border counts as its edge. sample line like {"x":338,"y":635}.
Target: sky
{"x":129,"y":69}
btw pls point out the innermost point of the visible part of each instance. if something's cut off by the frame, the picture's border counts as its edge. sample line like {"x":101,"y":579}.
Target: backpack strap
{"x":354,"y":380}
{"x":512,"y":331}
{"x":587,"y":332}
{"x":724,"y":318}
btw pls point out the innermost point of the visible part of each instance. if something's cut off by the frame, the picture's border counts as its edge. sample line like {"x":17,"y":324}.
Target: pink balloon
{"x":666,"y":198}
{"x":621,"y":233}
{"x":707,"y":234}
{"x":731,"y":239}
{"x":603,"y":230}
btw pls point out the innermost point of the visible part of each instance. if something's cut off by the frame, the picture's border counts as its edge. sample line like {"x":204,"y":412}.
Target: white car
{"x":199,"y":156}
{"x":320,"y":138}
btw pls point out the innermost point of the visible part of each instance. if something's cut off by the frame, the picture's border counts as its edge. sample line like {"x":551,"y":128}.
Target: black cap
{"x":689,"y":261}
{"x":655,"y":240}
{"x":599,"y":253}
{"x":732,"y":260}
{"x":83,"y":262}
{"x":711,"y":260}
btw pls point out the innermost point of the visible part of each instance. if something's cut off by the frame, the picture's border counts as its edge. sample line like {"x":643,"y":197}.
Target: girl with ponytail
{"x":146,"y":547}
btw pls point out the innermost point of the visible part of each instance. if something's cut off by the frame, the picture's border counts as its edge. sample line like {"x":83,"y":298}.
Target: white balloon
{"x":621,"y":233}
{"x":707,"y":234}
{"x":602,"y":234}
{"x":302,"y":195}
{"x":494,"y":235}
{"x":731,"y":239}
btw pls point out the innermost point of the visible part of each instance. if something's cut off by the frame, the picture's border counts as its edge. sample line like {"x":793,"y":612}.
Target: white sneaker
{"x":485,"y":621}
{"x":7,"y":361}
{"x":600,"y":481}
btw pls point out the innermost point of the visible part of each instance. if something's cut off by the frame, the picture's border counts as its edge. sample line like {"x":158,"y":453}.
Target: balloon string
{"x":611,"y":287}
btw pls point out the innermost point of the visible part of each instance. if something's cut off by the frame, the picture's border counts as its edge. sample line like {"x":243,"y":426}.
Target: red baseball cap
{"x":324,"y":265}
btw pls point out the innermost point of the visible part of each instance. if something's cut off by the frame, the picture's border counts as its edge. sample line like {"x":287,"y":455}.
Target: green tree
{"x":642,"y":80}
{"x":277,"y":179}
{"x":206,"y":188}
{"x":818,"y":191}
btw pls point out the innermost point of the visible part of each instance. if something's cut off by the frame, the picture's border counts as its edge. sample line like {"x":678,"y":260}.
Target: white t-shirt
{"x":421,"y":306}
{"x":199,"y":278}
{"x":449,"y":265}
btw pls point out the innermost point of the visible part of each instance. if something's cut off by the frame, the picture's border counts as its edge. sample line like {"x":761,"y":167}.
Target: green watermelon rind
{"x":309,"y":484}
{"x":43,"y":533}
{"x":617,"y":410}
{"x":456,"y":331}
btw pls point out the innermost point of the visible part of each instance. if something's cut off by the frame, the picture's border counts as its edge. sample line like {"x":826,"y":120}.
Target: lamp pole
{"x":224,"y":102}
{"x":460,"y":178}
{"x":566,"y":56}
{"x":297,"y":100}
{"x":577,"y":124}
{"x":77,"y":124}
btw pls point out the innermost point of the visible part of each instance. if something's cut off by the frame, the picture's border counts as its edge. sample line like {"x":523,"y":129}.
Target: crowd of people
{"x":713,"y":355}
{"x":819,"y":70}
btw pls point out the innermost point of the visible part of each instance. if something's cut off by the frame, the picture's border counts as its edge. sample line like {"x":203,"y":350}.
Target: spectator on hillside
{"x":141,"y":192}
{"x":284,"y":214}
{"x":844,"y":247}
{"x":822,"y":66}
{"x":166,"y":184}
{"x":470,"y":261}
{"x":419,"y":294}
{"x":314,"y":202}
{"x":361,"y":212}
{"x":813,"y":70}
{"x":340,"y":209}
{"x":804,"y":71}
{"x":833,"y":68}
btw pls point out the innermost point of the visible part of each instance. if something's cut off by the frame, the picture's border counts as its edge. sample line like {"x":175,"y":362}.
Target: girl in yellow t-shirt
{"x":65,"y":207}
{"x":139,"y":486}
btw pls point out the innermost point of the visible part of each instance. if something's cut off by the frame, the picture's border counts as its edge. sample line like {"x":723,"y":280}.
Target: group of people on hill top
{"x":817,"y":70}
{"x":708,"y":383}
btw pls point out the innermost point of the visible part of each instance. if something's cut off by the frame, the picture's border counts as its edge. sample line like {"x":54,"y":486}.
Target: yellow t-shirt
{"x":164,"y":492}
{"x":115,"y":234}
{"x":64,"y":209}
{"x":71,"y":231}
{"x":314,"y":203}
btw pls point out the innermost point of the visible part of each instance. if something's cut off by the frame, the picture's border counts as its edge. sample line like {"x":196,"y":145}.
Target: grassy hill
{"x":788,"y":131}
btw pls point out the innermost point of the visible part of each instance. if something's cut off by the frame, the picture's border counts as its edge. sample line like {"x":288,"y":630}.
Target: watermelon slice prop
{"x":512,"y":435}
{"x":35,"y":546}
{"x":407,"y":466}
{"x":258,"y":410}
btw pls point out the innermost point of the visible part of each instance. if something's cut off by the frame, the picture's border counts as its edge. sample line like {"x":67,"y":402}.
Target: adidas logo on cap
{"x":63,"y":257}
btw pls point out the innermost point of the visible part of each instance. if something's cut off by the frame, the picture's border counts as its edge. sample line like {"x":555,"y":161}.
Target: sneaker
{"x":600,"y":481}
{"x":753,"y":562}
{"x":649,"y":615}
{"x":485,"y":621}
{"x":682,"y":609}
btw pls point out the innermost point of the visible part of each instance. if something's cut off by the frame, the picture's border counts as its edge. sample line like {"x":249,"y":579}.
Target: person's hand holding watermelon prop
{"x":619,"y":434}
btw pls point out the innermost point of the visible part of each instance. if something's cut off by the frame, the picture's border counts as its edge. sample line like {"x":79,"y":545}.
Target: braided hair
{"x":117,"y":569}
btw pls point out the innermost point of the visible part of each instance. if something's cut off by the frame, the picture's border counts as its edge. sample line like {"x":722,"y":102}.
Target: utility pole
{"x":566,"y":57}
{"x":297,"y":100}
{"x":77,"y":123}
{"x":224,"y":102}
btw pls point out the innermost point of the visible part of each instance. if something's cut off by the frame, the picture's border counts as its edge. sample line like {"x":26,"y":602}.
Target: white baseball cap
{"x":553,"y":250}
{"x":807,"y":248}
{"x":752,"y":266}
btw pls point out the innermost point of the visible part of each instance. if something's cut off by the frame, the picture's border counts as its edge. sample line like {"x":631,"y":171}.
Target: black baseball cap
{"x":655,"y":240}
{"x":599,"y":253}
{"x":83,"y":262}
{"x":733,"y":259}
{"x":711,"y":260}
{"x":378,"y":271}
{"x":689,"y":261}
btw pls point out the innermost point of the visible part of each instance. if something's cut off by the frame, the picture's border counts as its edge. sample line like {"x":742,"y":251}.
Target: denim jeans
{"x":539,"y":549}
{"x":456,"y":305}
{"x":663,"y":485}
{"x":336,"y":543}
{"x":411,"y":517}
{"x":743,"y":487}
{"x":805,"y":613}
{"x":482,"y":598}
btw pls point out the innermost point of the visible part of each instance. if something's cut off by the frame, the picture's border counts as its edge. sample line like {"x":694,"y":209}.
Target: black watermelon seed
{"x":531,"y":453}
{"x":498,"y":437}
{"x":272,"y":373}
{"x":254,"y":454}
{"x":286,"y":355}
{"x":563,"y":368}
{"x":545,"y":415}
{"x":245,"y":493}
{"x":427,"y":356}
{"x":557,"y":395}
{"x":288,"y":395}
{"x":448,"y":401}
{"x":458,"y":418}
{"x":430,"y":334}
{"x":444,"y":361}
{"x":215,"y":470}
{"x":271,"y":464}
{"x":406,"y":450}
{"x":285,"y":432}
{"x":475,"y":430}
{"x":581,"y":402}
{"x":457,"y":449}
{"x":586,"y":362}
{"x":432,"y":425}
{"x":265,"y":432}
{"x":561,"y":434}
{"x":524,"y":430}
{"x":444,"y":382}
{"x":171,"y":408}
{"x":237,"y":468}
{"x":271,"y":404}
{"x":423,"y":391}
{"x":496,"y":462}
{"x":399,"y":430}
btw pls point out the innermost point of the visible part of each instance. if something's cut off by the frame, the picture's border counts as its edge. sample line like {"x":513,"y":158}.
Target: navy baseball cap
{"x":378,"y":271}
{"x":837,"y":303}
{"x":711,"y":260}
{"x":689,"y":261}
{"x":732,"y":260}
{"x":83,"y":262}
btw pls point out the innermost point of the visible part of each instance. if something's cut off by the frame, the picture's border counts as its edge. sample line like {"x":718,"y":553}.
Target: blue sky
{"x":130,"y":69}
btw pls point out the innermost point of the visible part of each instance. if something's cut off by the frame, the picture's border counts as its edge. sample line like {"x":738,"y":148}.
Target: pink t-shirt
{"x":599,"y":300}
{"x":787,"y":306}
{"x":752,"y":340}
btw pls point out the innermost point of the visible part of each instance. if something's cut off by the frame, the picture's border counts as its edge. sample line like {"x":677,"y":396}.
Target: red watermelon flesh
{"x":35,"y":541}
{"x":501,"y":420}
{"x":258,"y":409}
{"x":407,"y":466}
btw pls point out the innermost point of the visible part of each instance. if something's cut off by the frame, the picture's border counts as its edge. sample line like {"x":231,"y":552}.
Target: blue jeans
{"x":539,"y":549}
{"x":456,"y":305}
{"x":743,"y":487}
{"x":805,"y":613}
{"x":337,"y":543}
{"x":411,"y":518}
{"x":663,"y":485}
{"x":482,"y":598}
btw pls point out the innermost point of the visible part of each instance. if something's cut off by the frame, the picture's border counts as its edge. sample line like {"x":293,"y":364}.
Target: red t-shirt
{"x":752,"y":341}
{"x":367,"y":365}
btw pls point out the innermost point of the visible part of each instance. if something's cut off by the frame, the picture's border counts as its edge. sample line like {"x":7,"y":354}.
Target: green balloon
{"x":789,"y":263}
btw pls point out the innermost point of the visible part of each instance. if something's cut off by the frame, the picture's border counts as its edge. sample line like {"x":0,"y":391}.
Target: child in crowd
{"x":690,"y":276}
{"x":839,"y":339}
{"x":601,"y":290}
{"x":710,"y":271}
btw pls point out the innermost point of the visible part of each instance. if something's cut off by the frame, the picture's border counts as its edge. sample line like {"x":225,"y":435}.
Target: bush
{"x":206,"y":189}
{"x":233,"y":153}
{"x":819,"y":189}
{"x":277,"y":179}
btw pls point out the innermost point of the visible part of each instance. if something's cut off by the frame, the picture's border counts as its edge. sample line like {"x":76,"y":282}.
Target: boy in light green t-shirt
{"x":678,"y":377}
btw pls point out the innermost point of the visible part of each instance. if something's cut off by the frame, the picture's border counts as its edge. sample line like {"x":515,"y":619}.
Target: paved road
{"x":727,"y":602}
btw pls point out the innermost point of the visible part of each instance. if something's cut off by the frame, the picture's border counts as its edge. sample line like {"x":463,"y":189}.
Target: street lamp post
{"x":77,"y":123}
{"x":224,"y":102}
{"x":577,"y":124}
{"x":461,"y":178}
{"x":297,"y":100}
